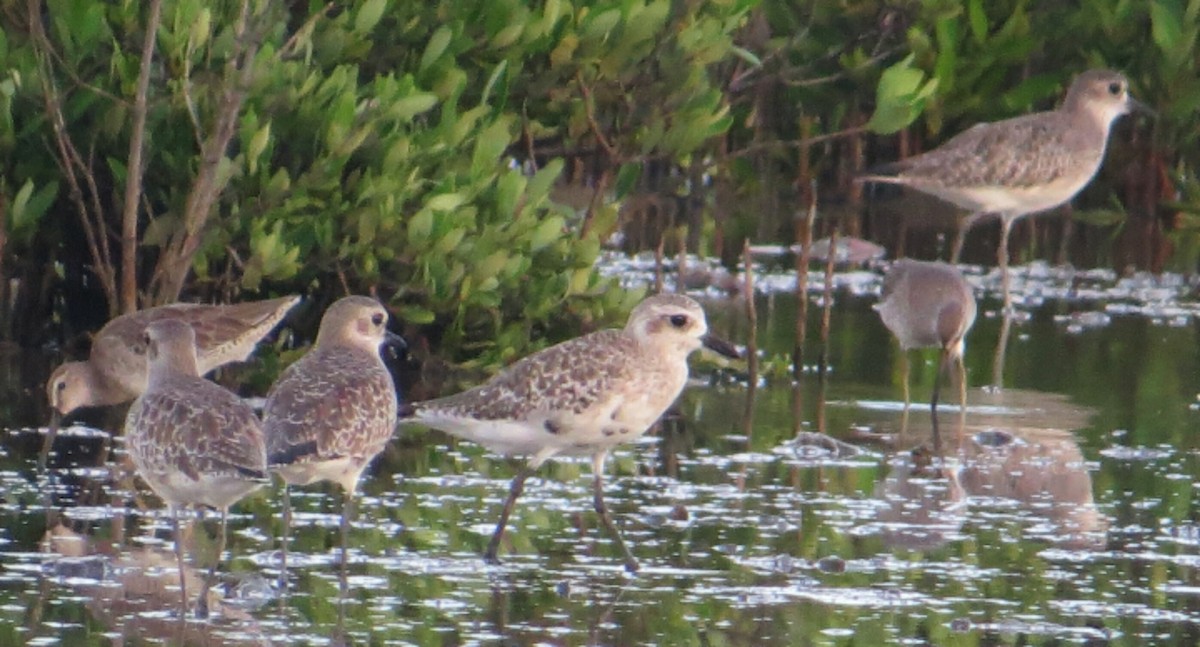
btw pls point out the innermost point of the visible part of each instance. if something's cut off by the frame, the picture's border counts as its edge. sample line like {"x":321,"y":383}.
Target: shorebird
{"x":193,"y":442}
{"x":583,"y":396}
{"x":1021,"y":165}
{"x":929,"y":304}
{"x":332,"y":411}
{"x":116,"y":372}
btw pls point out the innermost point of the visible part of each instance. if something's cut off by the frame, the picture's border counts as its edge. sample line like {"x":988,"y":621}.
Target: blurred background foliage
{"x":465,"y":160}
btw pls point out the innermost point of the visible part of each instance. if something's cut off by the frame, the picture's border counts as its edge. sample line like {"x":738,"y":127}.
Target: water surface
{"x":799,"y":512}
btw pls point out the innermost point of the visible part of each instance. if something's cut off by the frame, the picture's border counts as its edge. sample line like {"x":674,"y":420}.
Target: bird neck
{"x":173,"y":363}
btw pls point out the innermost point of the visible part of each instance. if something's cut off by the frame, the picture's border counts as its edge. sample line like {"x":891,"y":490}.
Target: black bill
{"x":720,"y":346}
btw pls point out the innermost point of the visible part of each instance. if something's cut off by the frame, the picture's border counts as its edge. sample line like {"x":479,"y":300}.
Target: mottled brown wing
{"x":229,"y":333}
{"x":570,"y":376}
{"x":332,"y":403}
{"x":1020,"y":152}
{"x":196,"y":427}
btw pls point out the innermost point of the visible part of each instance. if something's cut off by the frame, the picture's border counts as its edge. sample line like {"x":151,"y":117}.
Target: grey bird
{"x":1022,"y":165}
{"x":193,"y":442}
{"x":583,"y":396}
{"x":929,"y":304}
{"x":332,"y":411}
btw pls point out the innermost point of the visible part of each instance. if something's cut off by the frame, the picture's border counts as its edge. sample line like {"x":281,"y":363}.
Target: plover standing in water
{"x":193,"y":442}
{"x":927,"y":305}
{"x":116,"y":369}
{"x":1021,"y":165}
{"x":332,"y":411}
{"x":583,"y":396}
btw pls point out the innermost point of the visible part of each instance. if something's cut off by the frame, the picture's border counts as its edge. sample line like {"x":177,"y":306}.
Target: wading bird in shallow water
{"x":193,"y":442}
{"x":1022,"y":165}
{"x":330,"y":413}
{"x":929,"y":304}
{"x":583,"y":396}
{"x":116,"y":370}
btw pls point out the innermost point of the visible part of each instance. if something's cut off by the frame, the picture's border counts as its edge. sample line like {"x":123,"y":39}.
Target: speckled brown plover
{"x":192,"y":441}
{"x":929,"y":304}
{"x":1022,"y":165}
{"x":583,"y":396}
{"x":334,"y":409}
{"x":116,"y":370}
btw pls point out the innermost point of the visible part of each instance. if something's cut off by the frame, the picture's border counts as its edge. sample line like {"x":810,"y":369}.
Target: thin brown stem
{"x":133,"y":179}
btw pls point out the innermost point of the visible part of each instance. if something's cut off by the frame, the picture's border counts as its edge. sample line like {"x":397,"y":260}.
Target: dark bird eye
{"x":146,"y":339}
{"x":1114,"y":88}
{"x":377,"y":319}
{"x":679,"y":321}
{"x":61,"y":386}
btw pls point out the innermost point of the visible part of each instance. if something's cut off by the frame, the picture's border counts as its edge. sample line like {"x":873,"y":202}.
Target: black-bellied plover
{"x":192,"y":441}
{"x":332,"y":411}
{"x":583,"y":396}
{"x":929,"y":304}
{"x":116,"y":371}
{"x":1021,"y":165}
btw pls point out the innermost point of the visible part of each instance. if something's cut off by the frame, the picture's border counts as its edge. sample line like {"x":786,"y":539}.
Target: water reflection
{"x":1015,"y":450}
{"x":1051,"y":518}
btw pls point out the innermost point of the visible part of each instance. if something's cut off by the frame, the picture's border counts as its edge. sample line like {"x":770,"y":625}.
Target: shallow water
{"x":1063,"y":511}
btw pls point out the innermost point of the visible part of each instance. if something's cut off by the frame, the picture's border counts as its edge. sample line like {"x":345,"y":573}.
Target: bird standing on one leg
{"x":332,"y":411}
{"x":1021,"y":165}
{"x":928,"y":304}
{"x":583,"y":396}
{"x":192,"y":441}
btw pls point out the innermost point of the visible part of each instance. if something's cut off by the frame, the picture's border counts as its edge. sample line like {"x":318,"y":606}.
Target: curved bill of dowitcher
{"x":51,"y":435}
{"x":720,"y":346}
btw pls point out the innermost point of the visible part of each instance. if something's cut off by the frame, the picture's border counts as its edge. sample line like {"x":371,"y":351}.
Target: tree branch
{"x":133,"y":179}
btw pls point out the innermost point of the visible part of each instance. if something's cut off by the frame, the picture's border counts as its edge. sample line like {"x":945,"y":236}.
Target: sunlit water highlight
{"x":1061,"y":511}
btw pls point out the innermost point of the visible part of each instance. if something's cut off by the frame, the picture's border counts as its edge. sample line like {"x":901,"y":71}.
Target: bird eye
{"x":146,"y":339}
{"x":61,"y":386}
{"x":679,"y":321}
{"x":377,"y":319}
{"x":1114,"y":88}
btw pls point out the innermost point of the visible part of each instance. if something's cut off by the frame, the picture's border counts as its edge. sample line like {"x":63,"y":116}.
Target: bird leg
{"x":960,"y":235}
{"x":962,"y":391}
{"x":202,"y":601}
{"x":514,"y":491}
{"x":631,"y":564}
{"x":347,"y":512}
{"x":1006,"y":223}
{"x":183,"y":598}
{"x":283,"y":544}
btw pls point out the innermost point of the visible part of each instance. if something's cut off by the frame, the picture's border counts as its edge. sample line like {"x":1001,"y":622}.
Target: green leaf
{"x":746,"y":55}
{"x":489,"y":146}
{"x":550,"y":230}
{"x":258,"y":144}
{"x":420,"y":227}
{"x":413,"y":105}
{"x":1165,"y":26}
{"x":900,"y":97}
{"x":627,"y":178}
{"x":539,"y":185}
{"x":415,"y":315}
{"x":435,"y":48}
{"x":601,"y":24}
{"x":445,"y":201}
{"x":491,"y":82}
{"x":369,"y":15}
{"x":978,"y":19}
